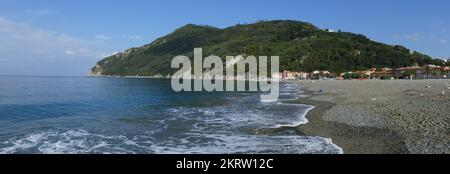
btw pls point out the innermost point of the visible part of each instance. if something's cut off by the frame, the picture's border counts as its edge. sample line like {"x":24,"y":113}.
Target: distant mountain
{"x":300,"y":45}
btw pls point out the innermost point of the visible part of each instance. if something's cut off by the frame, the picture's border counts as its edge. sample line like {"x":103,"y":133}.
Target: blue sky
{"x":65,"y":37}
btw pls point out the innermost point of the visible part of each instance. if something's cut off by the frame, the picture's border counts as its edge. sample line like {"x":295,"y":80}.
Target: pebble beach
{"x":375,"y":116}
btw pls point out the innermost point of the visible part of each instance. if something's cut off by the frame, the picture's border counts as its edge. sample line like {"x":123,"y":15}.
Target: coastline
{"x":373,"y":116}
{"x":194,"y":78}
{"x":376,"y":122}
{"x":351,"y":139}
{"x":128,"y":77}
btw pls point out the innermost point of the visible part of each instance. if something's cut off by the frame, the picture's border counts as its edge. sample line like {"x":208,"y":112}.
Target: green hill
{"x":301,"y":47}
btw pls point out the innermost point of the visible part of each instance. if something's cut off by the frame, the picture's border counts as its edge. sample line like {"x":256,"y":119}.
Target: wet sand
{"x":396,"y":116}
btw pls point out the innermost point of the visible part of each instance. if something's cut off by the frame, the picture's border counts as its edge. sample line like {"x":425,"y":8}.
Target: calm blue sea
{"x":119,"y":115}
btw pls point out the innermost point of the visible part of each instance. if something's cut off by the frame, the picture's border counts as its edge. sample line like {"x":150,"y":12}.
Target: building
{"x":302,"y":75}
{"x":292,"y":75}
{"x":409,"y":68}
{"x":321,"y":75}
{"x":366,"y":74}
{"x":409,"y":72}
{"x":431,"y":72}
{"x":289,"y":75}
{"x":447,"y":72}
{"x":383,"y":74}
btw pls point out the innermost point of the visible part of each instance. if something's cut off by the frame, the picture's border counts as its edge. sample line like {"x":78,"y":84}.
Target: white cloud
{"x":22,"y":45}
{"x":443,"y":41}
{"x":42,"y":41}
{"x":41,"y":12}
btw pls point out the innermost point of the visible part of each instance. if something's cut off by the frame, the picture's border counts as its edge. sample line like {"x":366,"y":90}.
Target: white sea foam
{"x":80,"y":142}
{"x":302,"y":120}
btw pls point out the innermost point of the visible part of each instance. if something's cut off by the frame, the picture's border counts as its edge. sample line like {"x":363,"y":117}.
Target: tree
{"x":409,"y":73}
{"x":365,"y":76}
{"x":347,"y":76}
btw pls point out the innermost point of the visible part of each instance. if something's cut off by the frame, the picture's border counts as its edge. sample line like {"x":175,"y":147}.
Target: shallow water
{"x":118,"y":115}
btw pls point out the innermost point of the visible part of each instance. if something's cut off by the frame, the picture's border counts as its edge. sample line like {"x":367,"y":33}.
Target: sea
{"x":94,"y":115}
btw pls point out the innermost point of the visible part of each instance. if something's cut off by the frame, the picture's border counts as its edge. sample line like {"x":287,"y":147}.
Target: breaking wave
{"x":83,"y":142}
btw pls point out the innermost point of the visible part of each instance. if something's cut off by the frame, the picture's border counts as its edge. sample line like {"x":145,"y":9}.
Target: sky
{"x":67,"y":37}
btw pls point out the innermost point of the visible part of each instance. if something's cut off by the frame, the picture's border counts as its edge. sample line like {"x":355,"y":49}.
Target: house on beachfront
{"x":366,"y":74}
{"x":432,"y":72}
{"x":383,"y":73}
{"x":289,"y":75}
{"x":447,"y":72}
{"x":302,"y":75}
{"x":321,"y":75}
{"x":409,"y":72}
{"x":292,"y":75}
{"x":361,"y":75}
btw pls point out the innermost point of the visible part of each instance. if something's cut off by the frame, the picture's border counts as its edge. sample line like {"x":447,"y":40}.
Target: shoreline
{"x":170,"y":77}
{"x":128,"y":77}
{"x":379,"y":117}
{"x":373,"y":117}
{"x":352,"y":140}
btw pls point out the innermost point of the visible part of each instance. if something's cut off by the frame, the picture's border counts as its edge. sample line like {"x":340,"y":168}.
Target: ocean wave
{"x":68,"y":142}
{"x":83,"y":142}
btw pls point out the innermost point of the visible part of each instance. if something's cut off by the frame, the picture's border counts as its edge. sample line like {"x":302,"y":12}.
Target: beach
{"x":374,"y":116}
